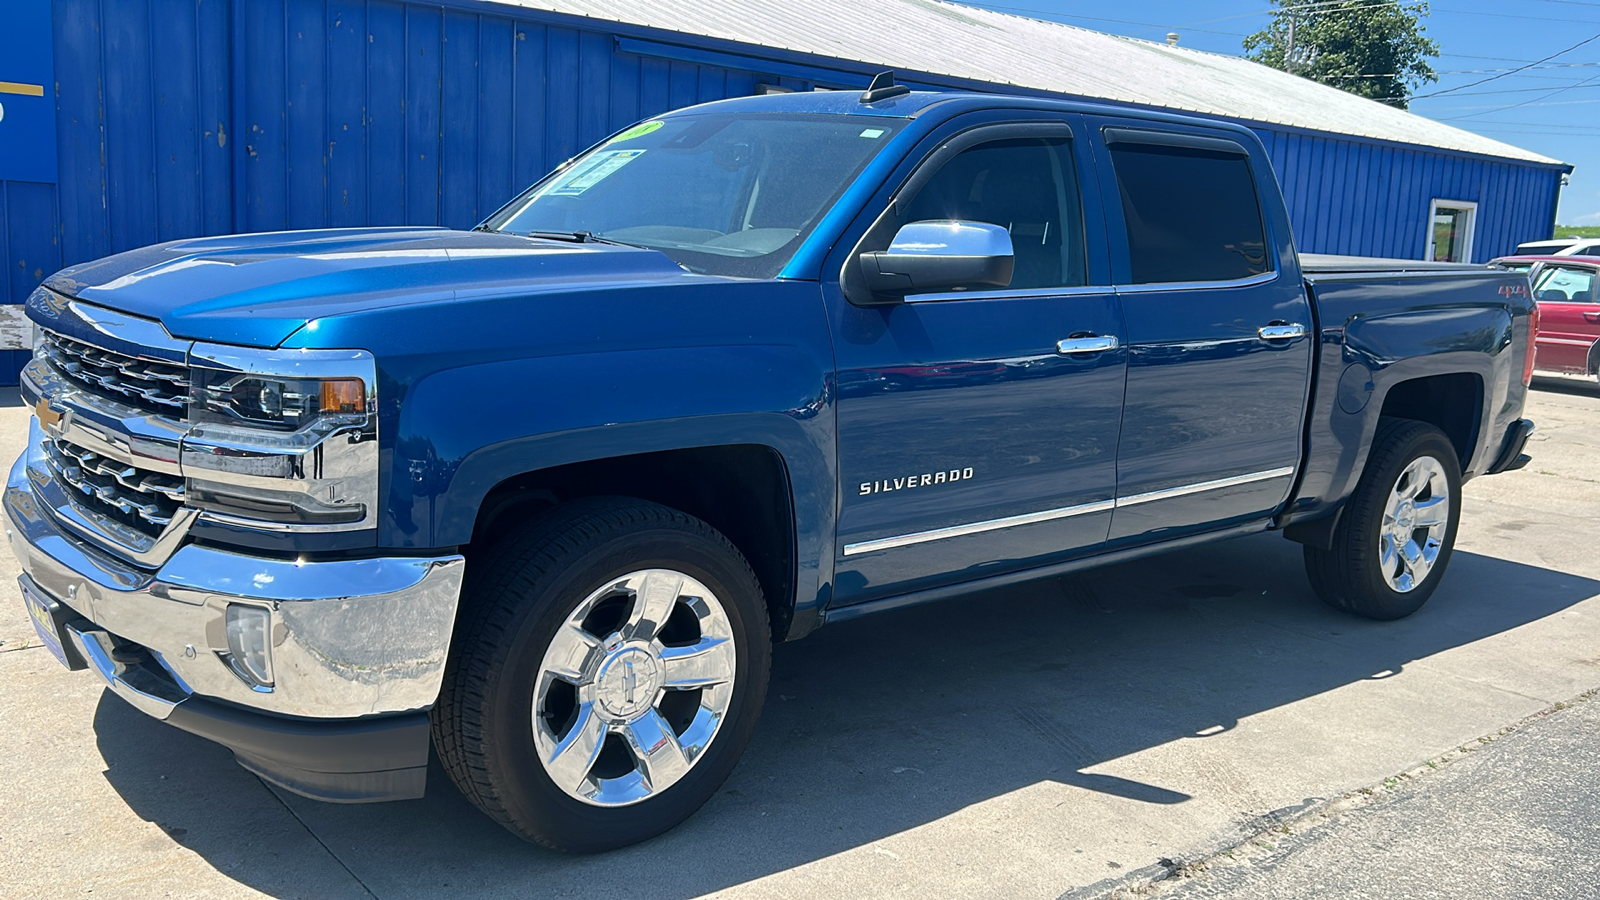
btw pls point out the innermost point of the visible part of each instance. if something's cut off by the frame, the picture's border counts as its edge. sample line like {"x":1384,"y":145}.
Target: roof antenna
{"x":882,"y":88}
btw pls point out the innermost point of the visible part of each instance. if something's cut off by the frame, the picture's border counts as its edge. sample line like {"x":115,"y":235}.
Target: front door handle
{"x":1282,"y":331}
{"x":1092,"y":343}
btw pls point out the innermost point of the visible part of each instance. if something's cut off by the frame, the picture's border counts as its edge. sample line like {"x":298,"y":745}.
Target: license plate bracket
{"x":50,"y":621}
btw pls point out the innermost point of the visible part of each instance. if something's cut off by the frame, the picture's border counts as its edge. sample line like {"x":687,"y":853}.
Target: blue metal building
{"x":130,"y":122}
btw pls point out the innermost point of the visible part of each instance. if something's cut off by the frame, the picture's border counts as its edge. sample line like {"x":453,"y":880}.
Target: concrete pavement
{"x":1517,"y":818}
{"x":1044,"y":740}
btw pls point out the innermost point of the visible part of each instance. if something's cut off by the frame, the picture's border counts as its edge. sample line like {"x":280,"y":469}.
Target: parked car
{"x":1568,"y":340}
{"x":546,"y":492}
{"x":1560,"y":247}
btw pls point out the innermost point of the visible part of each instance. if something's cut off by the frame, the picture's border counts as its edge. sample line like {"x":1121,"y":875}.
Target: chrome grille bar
{"x":140,"y":496}
{"x":161,"y":386}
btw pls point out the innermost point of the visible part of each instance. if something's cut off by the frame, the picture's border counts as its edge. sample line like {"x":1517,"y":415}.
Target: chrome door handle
{"x":1094,"y":343}
{"x":1281,"y":332}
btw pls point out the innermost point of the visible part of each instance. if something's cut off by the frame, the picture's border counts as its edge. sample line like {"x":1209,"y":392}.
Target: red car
{"x":1566,"y":288}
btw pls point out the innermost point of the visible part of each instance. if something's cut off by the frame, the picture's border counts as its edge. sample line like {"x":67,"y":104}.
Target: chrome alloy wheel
{"x":633,"y":688}
{"x":1415,"y":518}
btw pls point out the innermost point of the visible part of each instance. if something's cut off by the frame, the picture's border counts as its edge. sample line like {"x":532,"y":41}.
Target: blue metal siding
{"x":177,"y":119}
{"x":1357,"y":197}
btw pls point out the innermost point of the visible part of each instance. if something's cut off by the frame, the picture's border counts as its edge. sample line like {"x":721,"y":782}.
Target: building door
{"x":971,"y":442}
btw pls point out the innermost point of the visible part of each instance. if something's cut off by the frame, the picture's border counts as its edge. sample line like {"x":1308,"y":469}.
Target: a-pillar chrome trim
{"x":920,"y":537}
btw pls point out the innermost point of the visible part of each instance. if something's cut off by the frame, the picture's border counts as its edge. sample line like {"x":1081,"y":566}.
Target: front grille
{"x":152,"y":385}
{"x":138,"y":498}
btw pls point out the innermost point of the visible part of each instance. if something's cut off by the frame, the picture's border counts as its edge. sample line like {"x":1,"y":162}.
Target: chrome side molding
{"x":939,"y":534}
{"x":1217,"y":485}
{"x":1098,"y":506}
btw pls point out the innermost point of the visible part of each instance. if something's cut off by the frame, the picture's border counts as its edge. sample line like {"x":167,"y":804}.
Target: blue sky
{"x":1551,"y":108}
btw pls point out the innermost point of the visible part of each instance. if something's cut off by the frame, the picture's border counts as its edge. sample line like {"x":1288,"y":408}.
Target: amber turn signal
{"x":344,"y":395}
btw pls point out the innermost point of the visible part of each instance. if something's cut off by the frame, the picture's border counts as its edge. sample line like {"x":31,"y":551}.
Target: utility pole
{"x":1288,"y":53}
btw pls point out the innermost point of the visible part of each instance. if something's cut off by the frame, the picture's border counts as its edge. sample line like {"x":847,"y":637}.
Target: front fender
{"x":448,"y":455}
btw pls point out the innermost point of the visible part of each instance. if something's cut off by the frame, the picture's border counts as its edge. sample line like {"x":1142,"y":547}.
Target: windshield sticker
{"x":637,"y":131}
{"x":873,"y":133}
{"x":592,"y":171}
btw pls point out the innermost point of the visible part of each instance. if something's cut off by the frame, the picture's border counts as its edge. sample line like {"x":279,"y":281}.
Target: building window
{"x":1450,"y":224}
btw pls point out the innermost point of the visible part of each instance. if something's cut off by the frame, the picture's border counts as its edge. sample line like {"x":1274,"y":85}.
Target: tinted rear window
{"x":1192,"y":215}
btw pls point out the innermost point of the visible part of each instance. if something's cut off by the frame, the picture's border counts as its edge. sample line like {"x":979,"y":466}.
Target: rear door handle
{"x":1094,"y":343}
{"x":1593,"y":317}
{"x":1281,"y":331}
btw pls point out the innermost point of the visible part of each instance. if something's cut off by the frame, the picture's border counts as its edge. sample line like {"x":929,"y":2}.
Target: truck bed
{"x":1328,"y":263}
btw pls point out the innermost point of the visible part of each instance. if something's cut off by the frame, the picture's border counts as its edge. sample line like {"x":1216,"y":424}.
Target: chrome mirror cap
{"x":951,"y":237}
{"x":940,"y":255}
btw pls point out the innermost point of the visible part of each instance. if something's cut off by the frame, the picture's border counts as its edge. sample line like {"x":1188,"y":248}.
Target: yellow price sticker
{"x":638,"y":131}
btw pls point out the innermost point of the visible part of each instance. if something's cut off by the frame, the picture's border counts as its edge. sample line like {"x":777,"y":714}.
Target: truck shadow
{"x":889,"y":723}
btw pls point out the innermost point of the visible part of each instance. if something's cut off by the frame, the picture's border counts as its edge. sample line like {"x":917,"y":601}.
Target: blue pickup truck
{"x":542,"y":495}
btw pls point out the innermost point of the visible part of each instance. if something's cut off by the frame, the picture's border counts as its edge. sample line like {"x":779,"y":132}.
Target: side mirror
{"x":940,"y":255}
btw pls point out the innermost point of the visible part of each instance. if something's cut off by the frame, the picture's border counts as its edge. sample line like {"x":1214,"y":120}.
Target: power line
{"x":1586,"y":82}
{"x":1463,"y":87}
{"x":1495,"y":109}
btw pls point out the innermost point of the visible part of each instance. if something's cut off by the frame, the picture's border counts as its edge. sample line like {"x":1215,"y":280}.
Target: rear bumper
{"x":1511,"y":456}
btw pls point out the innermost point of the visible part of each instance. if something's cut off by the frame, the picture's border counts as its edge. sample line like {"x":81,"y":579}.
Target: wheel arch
{"x":743,"y":490}
{"x":1452,"y":403}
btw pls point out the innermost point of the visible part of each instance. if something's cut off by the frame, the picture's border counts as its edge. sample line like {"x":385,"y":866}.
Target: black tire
{"x":515,"y":597}
{"x":1350,"y":575}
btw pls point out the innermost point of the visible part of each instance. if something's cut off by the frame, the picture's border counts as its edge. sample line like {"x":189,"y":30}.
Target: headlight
{"x":281,"y":404}
{"x":282,"y":440}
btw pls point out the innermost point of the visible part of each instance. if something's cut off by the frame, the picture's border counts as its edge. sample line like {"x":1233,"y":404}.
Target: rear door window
{"x":1192,"y":214}
{"x":1562,"y":284}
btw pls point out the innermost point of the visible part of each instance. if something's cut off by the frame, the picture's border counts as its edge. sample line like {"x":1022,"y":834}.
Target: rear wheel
{"x":610,"y":666}
{"x":1398,"y":529}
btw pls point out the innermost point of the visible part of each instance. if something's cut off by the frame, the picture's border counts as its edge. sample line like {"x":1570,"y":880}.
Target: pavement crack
{"x":1266,"y":841}
{"x":8,"y":648}
{"x":318,"y":838}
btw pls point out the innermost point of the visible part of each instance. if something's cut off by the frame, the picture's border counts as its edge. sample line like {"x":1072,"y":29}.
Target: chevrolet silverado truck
{"x":541,"y":495}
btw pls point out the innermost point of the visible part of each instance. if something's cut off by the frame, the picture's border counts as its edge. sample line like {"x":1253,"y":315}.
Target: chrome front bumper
{"x":350,"y":638}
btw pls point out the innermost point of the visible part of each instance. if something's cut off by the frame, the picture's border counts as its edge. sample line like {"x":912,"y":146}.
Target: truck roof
{"x":913,"y":104}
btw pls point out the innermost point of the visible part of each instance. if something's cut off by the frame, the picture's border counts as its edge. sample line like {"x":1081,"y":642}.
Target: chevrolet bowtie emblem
{"x":48,"y":417}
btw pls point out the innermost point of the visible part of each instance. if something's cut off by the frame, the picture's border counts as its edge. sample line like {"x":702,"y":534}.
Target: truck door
{"x":1219,"y":328}
{"x":972,"y":440}
{"x":1569,"y":317}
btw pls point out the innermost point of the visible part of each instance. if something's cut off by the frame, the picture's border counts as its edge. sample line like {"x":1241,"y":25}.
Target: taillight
{"x":1533,"y":334}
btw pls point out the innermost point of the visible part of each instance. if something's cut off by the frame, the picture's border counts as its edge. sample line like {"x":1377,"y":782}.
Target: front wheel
{"x":1398,"y":529}
{"x":609,"y":670}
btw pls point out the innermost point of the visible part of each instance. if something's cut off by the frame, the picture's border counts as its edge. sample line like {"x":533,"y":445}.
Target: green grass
{"x":1577,"y":231}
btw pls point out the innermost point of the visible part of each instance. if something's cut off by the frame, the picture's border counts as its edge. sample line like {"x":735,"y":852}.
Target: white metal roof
{"x":982,"y":45}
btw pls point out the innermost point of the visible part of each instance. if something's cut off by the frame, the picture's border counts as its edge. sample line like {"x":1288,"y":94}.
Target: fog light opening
{"x":249,"y":644}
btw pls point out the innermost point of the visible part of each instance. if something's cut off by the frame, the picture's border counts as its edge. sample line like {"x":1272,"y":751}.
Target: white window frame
{"x":1471,"y":209}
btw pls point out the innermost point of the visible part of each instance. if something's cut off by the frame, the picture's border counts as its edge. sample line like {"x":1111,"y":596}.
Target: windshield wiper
{"x":577,"y":237}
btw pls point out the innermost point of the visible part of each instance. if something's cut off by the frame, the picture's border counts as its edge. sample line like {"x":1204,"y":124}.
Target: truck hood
{"x":257,"y":289}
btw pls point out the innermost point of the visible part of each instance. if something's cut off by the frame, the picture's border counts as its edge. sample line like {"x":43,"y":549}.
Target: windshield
{"x":722,"y":194}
